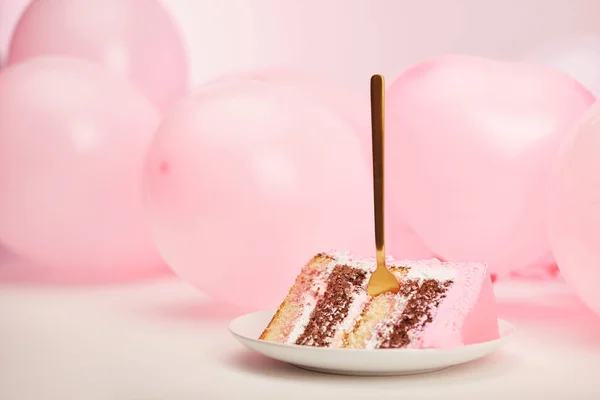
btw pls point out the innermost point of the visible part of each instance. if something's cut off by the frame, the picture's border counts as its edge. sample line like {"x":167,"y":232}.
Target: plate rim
{"x":508,"y":326}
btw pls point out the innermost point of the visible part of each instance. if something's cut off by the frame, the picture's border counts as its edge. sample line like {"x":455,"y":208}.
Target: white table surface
{"x":161,"y":340}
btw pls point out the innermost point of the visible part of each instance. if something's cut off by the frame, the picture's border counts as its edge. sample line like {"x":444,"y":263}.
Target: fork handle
{"x":378,"y":133}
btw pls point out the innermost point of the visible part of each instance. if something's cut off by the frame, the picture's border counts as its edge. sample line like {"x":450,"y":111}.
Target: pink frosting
{"x":468,"y":313}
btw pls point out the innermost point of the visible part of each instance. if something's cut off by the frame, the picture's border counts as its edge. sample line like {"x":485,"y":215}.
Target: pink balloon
{"x":575,"y":55}
{"x":349,"y":106}
{"x":10,"y":12}
{"x":72,"y":144}
{"x":136,"y":39}
{"x":543,"y":269}
{"x":574,"y":215}
{"x":246,"y":182}
{"x":402,"y":241}
{"x":471,"y":144}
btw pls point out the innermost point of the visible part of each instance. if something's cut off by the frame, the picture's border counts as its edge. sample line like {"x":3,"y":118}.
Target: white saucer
{"x":248,"y":328}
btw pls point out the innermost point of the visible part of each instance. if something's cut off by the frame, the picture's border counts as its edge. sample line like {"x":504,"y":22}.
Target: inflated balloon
{"x":471,"y":142}
{"x":402,"y":242}
{"x":10,"y":12}
{"x":578,"y":56}
{"x":574,"y":213}
{"x":348,"y":105}
{"x":543,"y":269}
{"x":72,"y":143}
{"x":245,"y":182}
{"x":136,"y":39}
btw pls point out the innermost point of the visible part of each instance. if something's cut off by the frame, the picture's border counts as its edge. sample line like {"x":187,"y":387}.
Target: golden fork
{"x":382,"y":280}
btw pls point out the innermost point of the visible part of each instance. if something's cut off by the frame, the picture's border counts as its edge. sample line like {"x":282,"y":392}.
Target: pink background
{"x":376,"y":35}
{"x":164,"y":340}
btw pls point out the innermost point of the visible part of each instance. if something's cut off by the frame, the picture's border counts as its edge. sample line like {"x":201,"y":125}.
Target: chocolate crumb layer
{"x":408,"y":287}
{"x":417,"y":313}
{"x":333,"y":307}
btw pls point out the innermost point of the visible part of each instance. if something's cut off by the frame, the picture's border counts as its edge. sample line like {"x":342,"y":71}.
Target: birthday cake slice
{"x":439,"y":305}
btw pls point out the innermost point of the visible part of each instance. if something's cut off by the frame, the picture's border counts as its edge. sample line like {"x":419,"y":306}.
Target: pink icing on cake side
{"x":467,"y":315}
{"x":481,"y":325}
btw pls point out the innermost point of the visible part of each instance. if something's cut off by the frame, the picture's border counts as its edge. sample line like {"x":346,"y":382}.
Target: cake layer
{"x":438,"y":305}
{"x":292,"y":316}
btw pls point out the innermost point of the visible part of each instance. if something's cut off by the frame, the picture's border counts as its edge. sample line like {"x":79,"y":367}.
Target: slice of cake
{"x":439,"y":305}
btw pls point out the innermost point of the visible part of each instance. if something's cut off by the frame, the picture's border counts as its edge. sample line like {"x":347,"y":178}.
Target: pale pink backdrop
{"x":150,"y":342}
{"x":377,"y":35}
{"x":225,"y":36}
